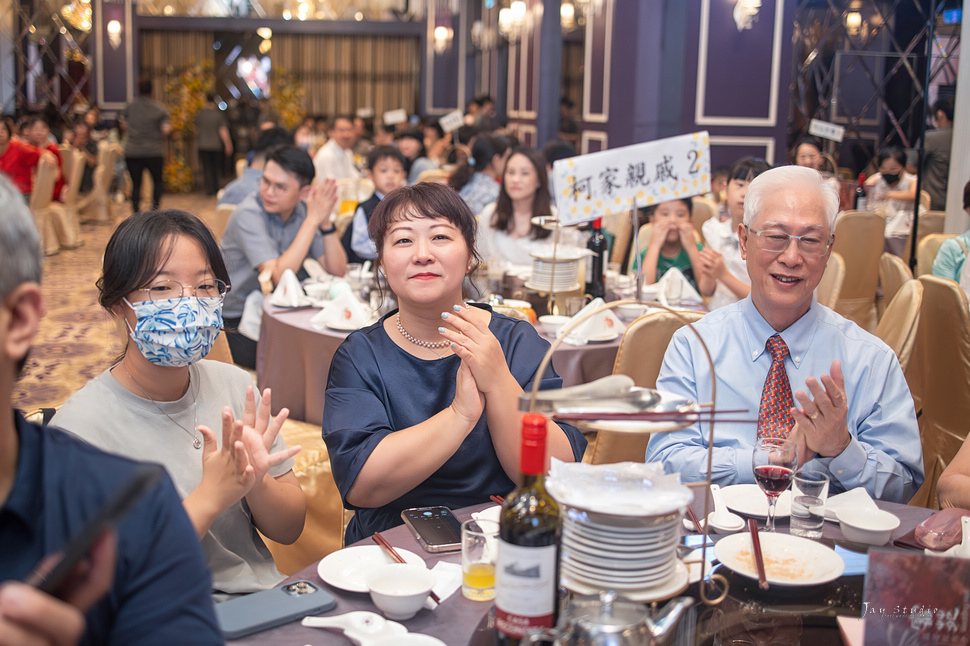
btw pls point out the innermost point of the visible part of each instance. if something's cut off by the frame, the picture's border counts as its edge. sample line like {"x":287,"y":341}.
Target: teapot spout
{"x":664,"y":625}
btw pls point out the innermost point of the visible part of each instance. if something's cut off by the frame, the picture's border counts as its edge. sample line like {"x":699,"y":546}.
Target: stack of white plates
{"x":637,"y":557}
{"x":543,"y":280}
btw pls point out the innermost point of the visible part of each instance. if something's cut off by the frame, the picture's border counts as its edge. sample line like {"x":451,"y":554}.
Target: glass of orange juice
{"x":479,"y":547}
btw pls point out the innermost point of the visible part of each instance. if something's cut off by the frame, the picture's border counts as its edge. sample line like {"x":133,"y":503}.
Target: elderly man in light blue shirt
{"x":853,"y":415}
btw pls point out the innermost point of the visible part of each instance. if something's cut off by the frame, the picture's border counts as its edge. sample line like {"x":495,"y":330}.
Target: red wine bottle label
{"x":525,"y":588}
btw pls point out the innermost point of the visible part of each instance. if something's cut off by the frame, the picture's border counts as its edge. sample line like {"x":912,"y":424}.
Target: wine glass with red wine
{"x":774,"y":461}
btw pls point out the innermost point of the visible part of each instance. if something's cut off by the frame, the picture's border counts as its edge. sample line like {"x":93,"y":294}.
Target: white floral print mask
{"x":176,"y":332}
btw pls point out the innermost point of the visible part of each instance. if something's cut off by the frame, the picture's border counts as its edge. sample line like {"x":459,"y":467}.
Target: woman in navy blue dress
{"x":421,"y":407}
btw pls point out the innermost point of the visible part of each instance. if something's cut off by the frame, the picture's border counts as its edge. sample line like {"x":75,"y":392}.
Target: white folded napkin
{"x":315,"y":270}
{"x":857,"y":497}
{"x":289,"y":292}
{"x":489,"y":513}
{"x":345,"y":312}
{"x":604,"y":324}
{"x":673,"y":289}
{"x":448,"y":580}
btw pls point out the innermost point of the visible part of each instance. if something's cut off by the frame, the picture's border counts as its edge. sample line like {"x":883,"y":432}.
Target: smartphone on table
{"x":435,"y":528}
{"x":270,"y":608}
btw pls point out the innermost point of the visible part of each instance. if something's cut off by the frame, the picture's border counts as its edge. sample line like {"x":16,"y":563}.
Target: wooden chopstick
{"x":498,"y":500}
{"x":380,"y":540}
{"x":759,"y":558}
{"x":695,"y":520}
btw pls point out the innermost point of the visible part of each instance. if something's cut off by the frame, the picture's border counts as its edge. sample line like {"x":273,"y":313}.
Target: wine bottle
{"x":527,"y":570}
{"x":860,"y":194}
{"x":596,"y":264}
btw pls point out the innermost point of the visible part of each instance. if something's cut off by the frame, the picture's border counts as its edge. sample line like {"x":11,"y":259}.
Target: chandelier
{"x":78,"y":14}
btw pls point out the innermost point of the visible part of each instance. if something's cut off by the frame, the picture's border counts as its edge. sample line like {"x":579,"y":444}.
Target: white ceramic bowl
{"x":864,"y":525}
{"x":631,"y":312}
{"x":551,"y":324}
{"x":399,"y":589}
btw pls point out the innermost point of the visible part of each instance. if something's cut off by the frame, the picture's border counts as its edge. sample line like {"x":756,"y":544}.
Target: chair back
{"x":703,"y":210}
{"x":899,"y":324}
{"x":433,"y":175}
{"x":67,"y":159}
{"x":938,"y":376}
{"x":73,"y":178}
{"x":639,"y":356}
{"x":241,"y":165}
{"x":926,"y":252}
{"x":621,"y":226}
{"x":929,"y":222}
{"x":218,"y":219}
{"x":44,"y":179}
{"x":220,"y":350}
{"x":893,"y":272}
{"x":95,"y":205}
{"x":829,"y":288}
{"x":859,"y":240}
{"x":924,"y":200}
{"x":365,"y":188}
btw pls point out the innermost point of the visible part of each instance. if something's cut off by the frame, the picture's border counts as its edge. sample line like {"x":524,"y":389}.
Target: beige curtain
{"x":343,"y":73}
{"x":164,"y":54}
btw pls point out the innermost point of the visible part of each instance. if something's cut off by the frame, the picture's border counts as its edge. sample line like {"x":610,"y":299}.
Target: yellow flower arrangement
{"x":286,"y":98}
{"x":185,"y":99}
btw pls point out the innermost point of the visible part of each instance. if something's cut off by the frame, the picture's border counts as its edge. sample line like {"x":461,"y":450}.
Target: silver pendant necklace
{"x":434,"y":347}
{"x":196,"y":440}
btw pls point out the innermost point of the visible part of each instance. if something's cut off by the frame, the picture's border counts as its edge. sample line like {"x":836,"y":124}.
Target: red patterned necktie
{"x":774,"y":418}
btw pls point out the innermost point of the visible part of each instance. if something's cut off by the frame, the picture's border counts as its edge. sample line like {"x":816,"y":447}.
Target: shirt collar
{"x":797,"y":336}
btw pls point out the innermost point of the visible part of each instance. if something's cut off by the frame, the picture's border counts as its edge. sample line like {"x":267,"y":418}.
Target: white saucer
{"x":545,"y":288}
{"x":347,"y":569}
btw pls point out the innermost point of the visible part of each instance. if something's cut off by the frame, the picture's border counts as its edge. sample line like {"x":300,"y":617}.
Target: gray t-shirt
{"x":107,"y":415}
{"x":252,"y":237}
{"x":207,"y":125}
{"x":144,"y":118}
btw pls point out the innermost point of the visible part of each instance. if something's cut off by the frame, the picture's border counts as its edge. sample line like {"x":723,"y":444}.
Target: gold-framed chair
{"x":96,"y":205}
{"x":938,"y":375}
{"x":900,"y":322}
{"x":702,"y":210}
{"x":929,"y":222}
{"x":639,"y":356}
{"x":926,"y":252}
{"x":859,"y":239}
{"x":57,"y":230}
{"x":893,"y":273}
{"x":830,"y":287}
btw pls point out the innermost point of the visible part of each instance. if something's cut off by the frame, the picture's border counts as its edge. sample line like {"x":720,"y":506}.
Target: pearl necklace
{"x":424,"y":344}
{"x":196,"y":440}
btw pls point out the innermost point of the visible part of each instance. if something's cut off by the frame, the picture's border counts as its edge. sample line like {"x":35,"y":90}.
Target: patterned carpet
{"x":77,"y":339}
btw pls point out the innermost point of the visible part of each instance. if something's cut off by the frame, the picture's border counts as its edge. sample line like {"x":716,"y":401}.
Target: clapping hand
{"x":260,"y":430}
{"x":320,"y":201}
{"x":475,"y":344}
{"x":823,"y":418}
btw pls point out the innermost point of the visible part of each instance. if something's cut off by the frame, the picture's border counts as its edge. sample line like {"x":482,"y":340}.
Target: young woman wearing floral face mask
{"x":164,"y":277}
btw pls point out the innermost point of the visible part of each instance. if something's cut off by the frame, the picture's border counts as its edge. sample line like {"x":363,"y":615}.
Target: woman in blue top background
{"x":421,"y":407}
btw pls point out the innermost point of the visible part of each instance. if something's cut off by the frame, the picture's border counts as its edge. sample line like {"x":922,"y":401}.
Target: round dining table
{"x":789,"y":615}
{"x":293,"y":359}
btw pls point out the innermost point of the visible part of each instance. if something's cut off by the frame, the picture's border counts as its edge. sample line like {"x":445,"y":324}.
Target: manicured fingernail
{"x":457,"y":308}
{"x":444,"y":315}
{"x":441,"y":329}
{"x":453,"y":345}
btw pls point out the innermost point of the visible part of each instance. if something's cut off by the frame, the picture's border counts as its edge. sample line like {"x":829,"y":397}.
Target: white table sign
{"x":612,"y":181}
{"x":394,"y":117}
{"x":452,"y":121}
{"x":826,"y":130}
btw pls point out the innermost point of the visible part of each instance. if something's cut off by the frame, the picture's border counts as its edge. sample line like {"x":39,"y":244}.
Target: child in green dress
{"x":672,"y":244}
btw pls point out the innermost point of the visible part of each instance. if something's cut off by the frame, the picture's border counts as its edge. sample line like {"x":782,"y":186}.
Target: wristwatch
{"x":332,"y":229}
